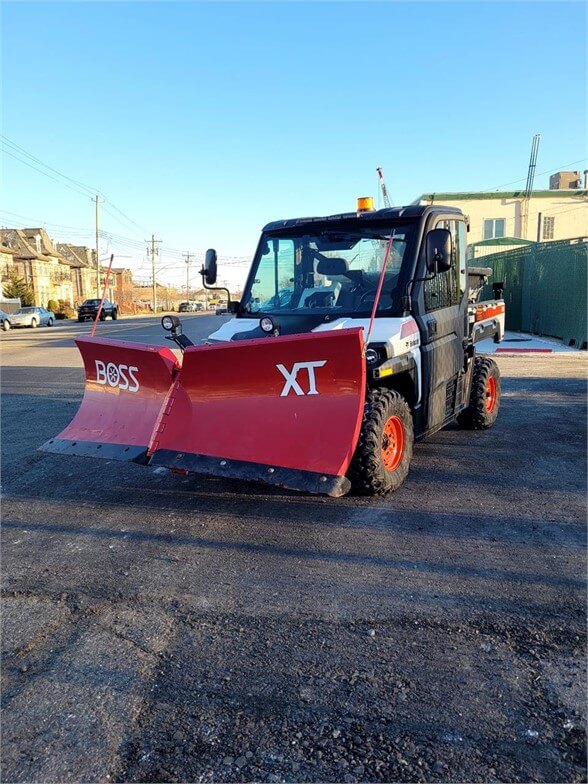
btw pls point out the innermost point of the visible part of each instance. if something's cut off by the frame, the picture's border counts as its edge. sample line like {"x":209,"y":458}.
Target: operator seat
{"x":352,"y":281}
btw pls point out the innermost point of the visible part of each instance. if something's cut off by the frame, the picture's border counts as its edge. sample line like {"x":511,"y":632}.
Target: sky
{"x":201,"y":122}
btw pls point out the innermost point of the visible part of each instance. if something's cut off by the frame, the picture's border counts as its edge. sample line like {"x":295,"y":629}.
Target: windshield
{"x":91,"y":302}
{"x":328,"y":271}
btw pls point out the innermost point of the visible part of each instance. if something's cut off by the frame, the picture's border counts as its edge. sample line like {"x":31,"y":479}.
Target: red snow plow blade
{"x":285,"y":410}
{"x":282,"y":410}
{"x":126,"y":386}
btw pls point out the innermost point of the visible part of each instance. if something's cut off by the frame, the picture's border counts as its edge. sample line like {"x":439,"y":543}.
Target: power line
{"x":522,"y":179}
{"x":87,"y":190}
{"x":28,"y":222}
{"x":90,"y":190}
{"x":118,"y":220}
{"x":77,"y":190}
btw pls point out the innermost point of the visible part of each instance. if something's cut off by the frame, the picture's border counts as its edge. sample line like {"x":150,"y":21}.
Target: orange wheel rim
{"x":392,"y":443}
{"x":490,"y":395}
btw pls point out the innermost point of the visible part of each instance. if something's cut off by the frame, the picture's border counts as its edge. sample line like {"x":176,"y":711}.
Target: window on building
{"x":548,"y":228}
{"x":493,"y":227}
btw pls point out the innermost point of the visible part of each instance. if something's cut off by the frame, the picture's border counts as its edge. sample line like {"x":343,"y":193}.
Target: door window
{"x":446,"y":288}
{"x":462,"y":242}
{"x":274,"y":278}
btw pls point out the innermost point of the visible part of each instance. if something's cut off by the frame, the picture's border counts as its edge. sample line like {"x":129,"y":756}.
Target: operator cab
{"x":326,"y":271}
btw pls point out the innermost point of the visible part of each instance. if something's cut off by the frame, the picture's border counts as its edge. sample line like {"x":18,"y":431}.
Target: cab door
{"x":442,"y":306}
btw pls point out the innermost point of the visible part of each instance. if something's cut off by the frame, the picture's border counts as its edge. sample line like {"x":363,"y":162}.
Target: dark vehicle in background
{"x":190,"y":307}
{"x":89,"y":308}
{"x":30,"y":317}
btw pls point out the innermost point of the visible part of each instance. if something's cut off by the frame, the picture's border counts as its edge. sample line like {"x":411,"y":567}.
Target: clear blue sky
{"x":202,"y":122}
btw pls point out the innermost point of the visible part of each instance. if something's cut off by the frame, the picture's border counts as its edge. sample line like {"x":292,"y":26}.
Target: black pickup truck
{"x":89,"y":308}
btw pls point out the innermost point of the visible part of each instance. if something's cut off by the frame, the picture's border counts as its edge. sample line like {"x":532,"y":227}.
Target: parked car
{"x":222,"y":308}
{"x":32,"y":317}
{"x":5,"y":320}
{"x":89,"y":308}
{"x":190,"y":307}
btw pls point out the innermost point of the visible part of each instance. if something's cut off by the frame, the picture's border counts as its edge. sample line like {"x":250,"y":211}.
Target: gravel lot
{"x":164,"y":628}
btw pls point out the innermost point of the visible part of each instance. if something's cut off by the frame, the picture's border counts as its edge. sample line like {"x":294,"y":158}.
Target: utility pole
{"x":188,"y":256}
{"x":97,"y":200}
{"x":154,"y":252}
{"x":525,"y":202}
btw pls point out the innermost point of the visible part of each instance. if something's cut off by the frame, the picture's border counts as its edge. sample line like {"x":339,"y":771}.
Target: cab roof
{"x":412,"y":211}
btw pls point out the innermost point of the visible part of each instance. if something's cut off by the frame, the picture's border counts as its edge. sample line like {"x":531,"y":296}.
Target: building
{"x":123,"y":290}
{"x":566,"y":180}
{"x":83,"y":270}
{"x":38,"y":262}
{"x":505,"y":219}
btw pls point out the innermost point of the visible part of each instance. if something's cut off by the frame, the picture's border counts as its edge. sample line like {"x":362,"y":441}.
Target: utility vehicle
{"x":355,"y":337}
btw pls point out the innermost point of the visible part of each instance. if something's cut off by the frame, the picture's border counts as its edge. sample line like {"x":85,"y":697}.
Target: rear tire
{"x":33,"y":323}
{"x":6,"y":325}
{"x":384,"y":450}
{"x":50,"y":322}
{"x":484,"y":396}
{"x":114,"y":314}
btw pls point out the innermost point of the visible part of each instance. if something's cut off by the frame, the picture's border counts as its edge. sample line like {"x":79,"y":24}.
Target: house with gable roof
{"x":83,"y":269}
{"x":39,"y":263}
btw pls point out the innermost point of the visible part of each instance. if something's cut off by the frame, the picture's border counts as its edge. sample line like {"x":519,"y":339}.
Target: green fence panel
{"x":508,"y":268}
{"x":545,"y":288}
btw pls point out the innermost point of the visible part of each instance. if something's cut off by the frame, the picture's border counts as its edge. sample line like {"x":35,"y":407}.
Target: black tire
{"x":484,"y":396}
{"x":6,"y":325}
{"x":80,"y":320}
{"x":372,"y":472}
{"x":114,"y":314}
{"x":50,"y":322}
{"x":102,"y":315}
{"x":34,"y":323}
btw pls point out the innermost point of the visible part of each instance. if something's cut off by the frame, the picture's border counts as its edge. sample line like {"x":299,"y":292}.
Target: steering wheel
{"x":318,"y":300}
{"x":364,"y":296}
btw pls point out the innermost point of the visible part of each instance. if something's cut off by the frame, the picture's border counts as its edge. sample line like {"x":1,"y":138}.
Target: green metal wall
{"x":545,"y":288}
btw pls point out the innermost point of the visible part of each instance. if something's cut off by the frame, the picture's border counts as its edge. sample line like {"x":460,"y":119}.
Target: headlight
{"x":371,"y":356}
{"x":170,"y":322}
{"x":266,"y":324}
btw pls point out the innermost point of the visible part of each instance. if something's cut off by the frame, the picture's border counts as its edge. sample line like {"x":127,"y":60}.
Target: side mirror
{"x":208,"y":270}
{"x":439,"y":250}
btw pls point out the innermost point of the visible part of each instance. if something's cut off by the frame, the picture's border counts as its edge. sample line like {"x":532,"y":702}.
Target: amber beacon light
{"x":365,"y":204}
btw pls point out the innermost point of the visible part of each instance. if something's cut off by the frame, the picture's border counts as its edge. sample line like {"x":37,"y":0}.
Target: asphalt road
{"x":164,"y":628}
